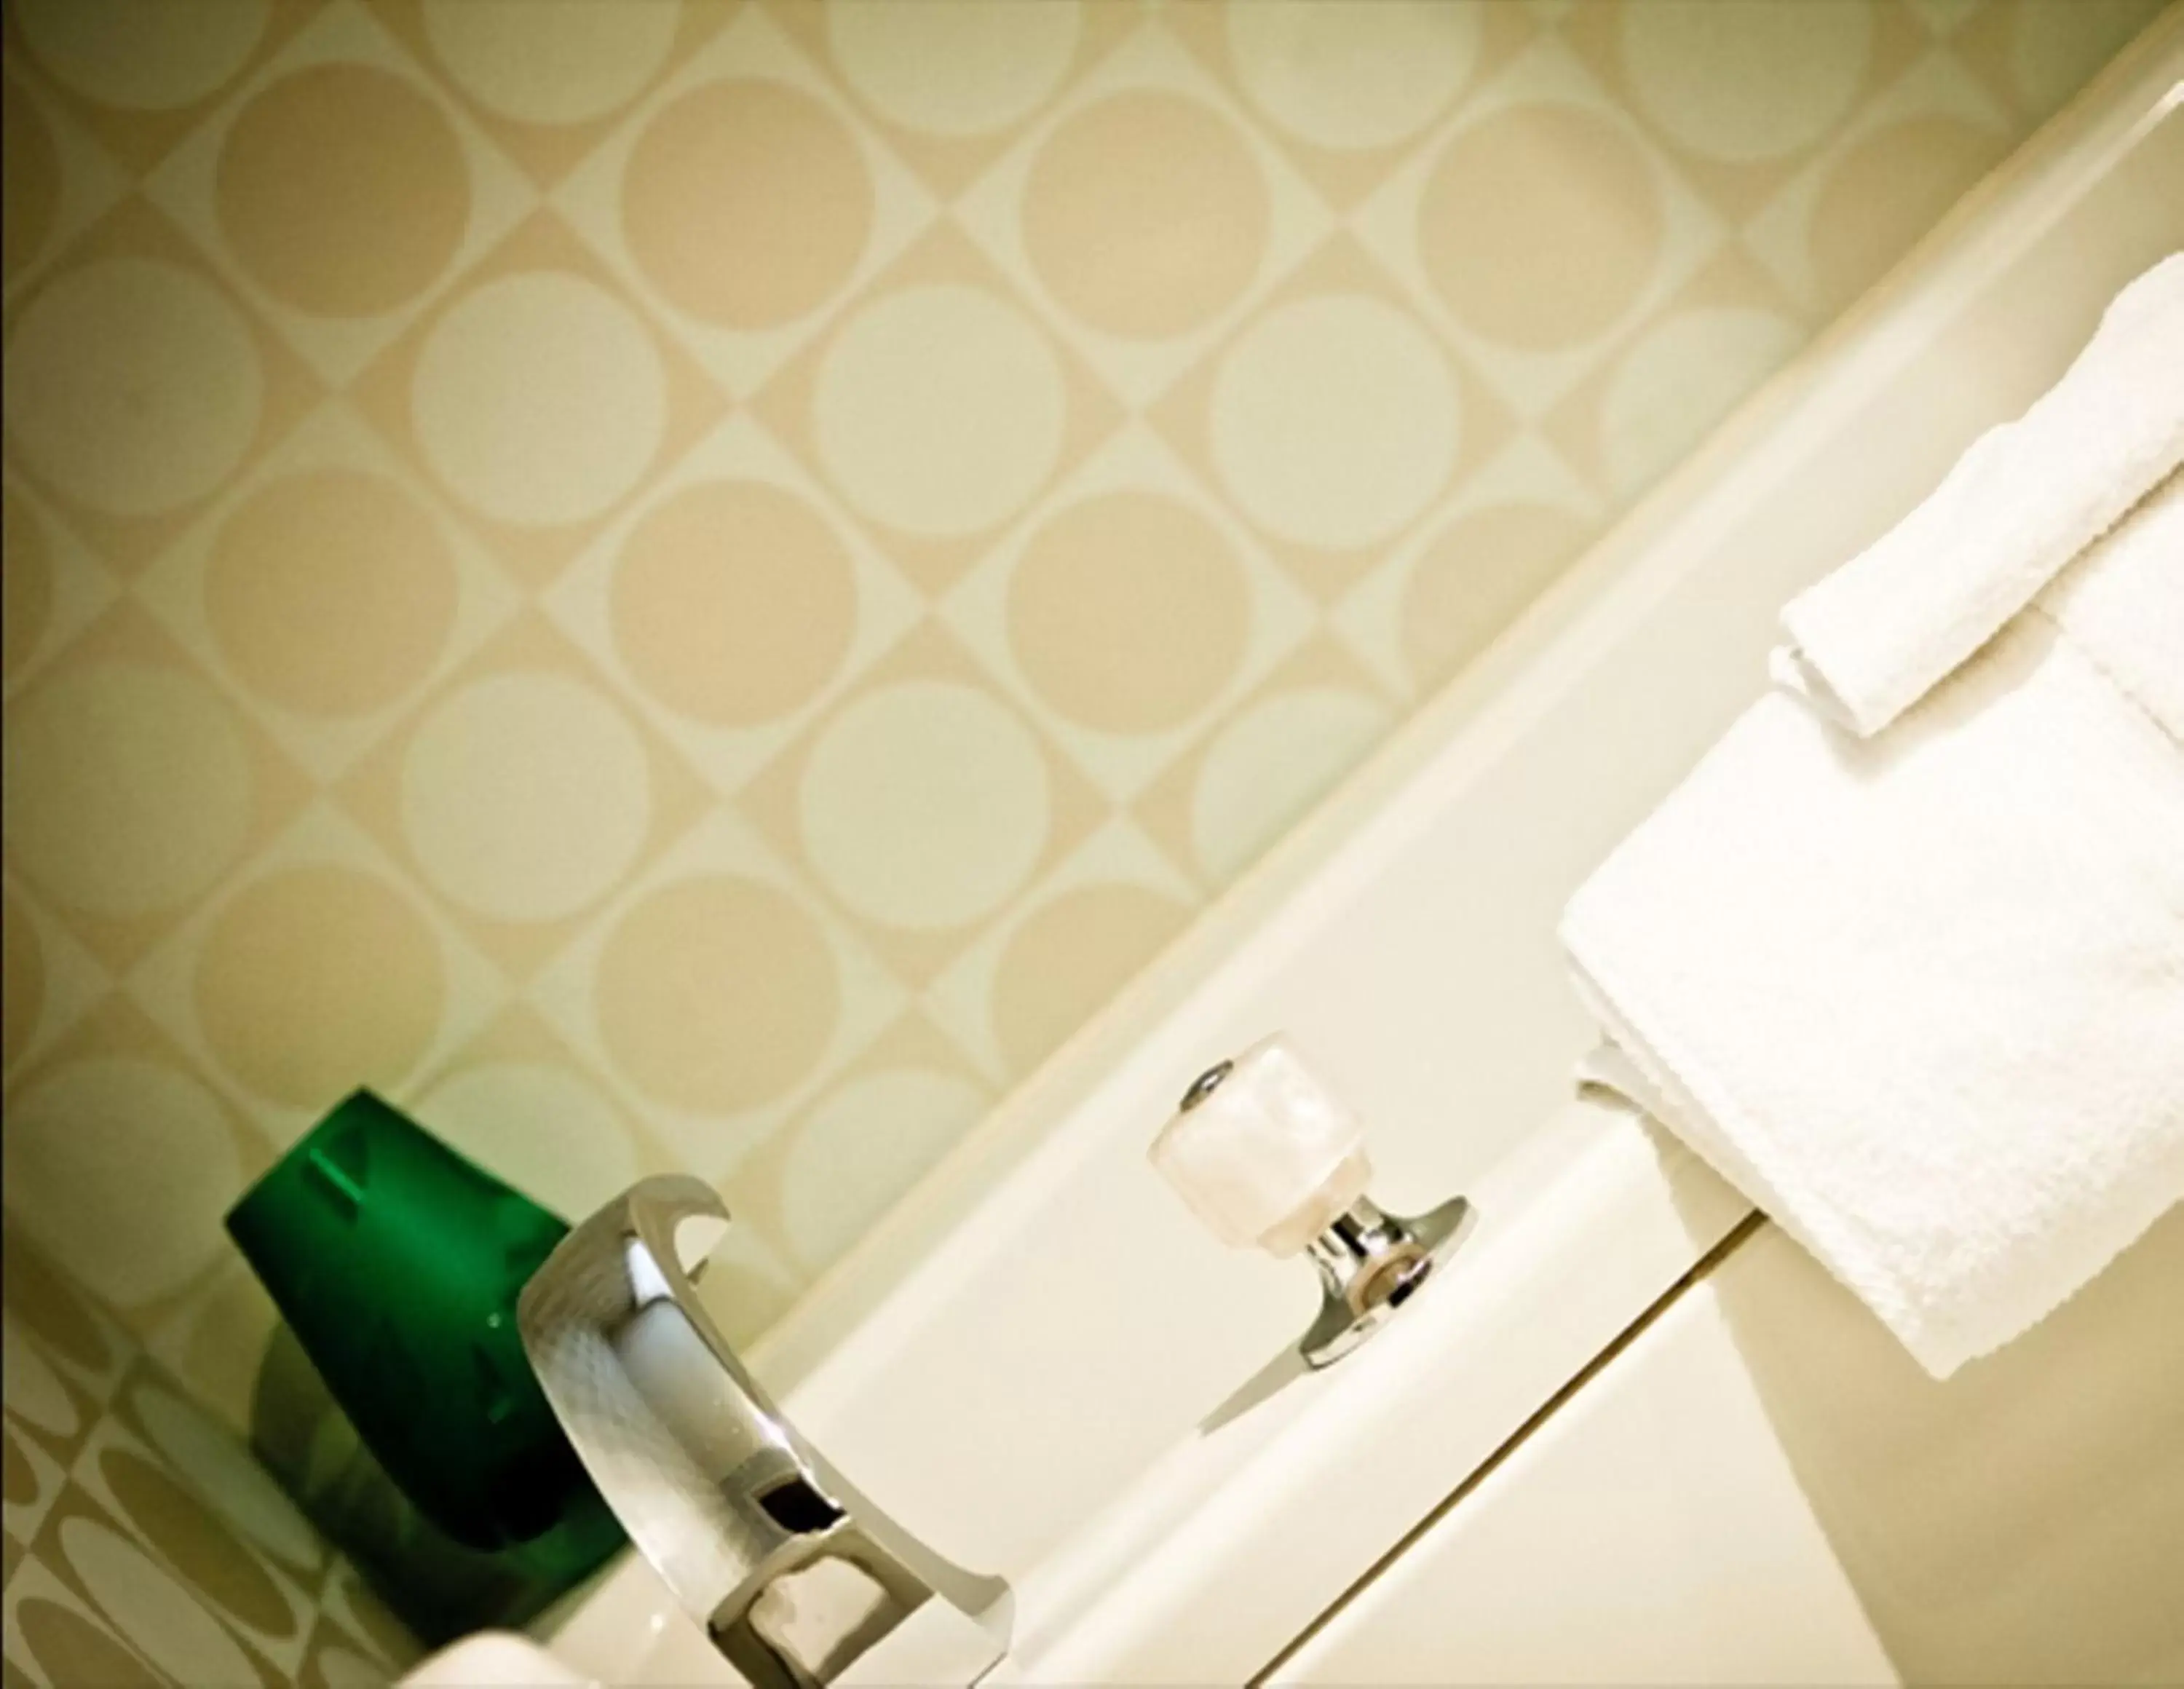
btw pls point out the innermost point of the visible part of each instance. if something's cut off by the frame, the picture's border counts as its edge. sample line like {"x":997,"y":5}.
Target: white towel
{"x":2124,"y":604}
{"x":1876,"y":634}
{"x":1921,"y":996}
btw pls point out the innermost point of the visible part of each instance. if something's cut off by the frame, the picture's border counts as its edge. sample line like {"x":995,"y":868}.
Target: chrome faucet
{"x":1267,"y":1156}
{"x":794,"y":1573}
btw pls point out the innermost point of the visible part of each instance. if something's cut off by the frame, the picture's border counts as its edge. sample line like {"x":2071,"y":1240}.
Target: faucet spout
{"x":793,"y":1573}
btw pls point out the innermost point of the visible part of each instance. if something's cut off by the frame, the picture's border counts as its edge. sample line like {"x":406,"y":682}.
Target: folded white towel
{"x":1921,"y":997}
{"x":2124,"y":604}
{"x":2022,"y":502}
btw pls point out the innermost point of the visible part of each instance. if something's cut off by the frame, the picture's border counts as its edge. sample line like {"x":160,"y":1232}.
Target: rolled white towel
{"x":1874,"y":636}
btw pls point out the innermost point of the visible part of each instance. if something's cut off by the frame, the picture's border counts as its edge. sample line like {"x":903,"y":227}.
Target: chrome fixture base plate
{"x":1371,"y":1263}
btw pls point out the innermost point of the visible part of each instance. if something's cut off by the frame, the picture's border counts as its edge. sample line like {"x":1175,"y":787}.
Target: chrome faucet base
{"x":1370,"y":1263}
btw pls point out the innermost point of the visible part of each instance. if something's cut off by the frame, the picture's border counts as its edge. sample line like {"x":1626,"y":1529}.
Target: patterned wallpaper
{"x":694,"y":585}
{"x":143,"y":1546}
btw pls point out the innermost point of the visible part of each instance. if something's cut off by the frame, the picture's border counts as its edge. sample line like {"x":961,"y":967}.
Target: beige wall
{"x":694,"y":585}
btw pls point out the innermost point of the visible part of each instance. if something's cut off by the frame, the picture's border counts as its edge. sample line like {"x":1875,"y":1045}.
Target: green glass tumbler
{"x":397,"y":1264}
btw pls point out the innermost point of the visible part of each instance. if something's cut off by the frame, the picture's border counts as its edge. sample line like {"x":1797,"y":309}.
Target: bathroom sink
{"x":1199,"y":1569}
{"x":494,"y":1660}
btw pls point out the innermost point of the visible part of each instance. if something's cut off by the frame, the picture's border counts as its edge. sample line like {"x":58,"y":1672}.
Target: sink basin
{"x":494,"y":1660}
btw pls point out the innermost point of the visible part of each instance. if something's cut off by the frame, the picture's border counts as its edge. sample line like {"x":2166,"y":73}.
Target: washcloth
{"x":1873,"y":637}
{"x":1921,"y":996}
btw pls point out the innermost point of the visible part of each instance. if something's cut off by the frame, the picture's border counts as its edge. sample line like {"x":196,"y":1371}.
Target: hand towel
{"x":1921,"y":997}
{"x":2022,"y":502}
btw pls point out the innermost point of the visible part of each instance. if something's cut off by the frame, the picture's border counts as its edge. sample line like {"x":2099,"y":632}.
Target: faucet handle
{"x":793,"y":1572}
{"x":1264,"y":1154}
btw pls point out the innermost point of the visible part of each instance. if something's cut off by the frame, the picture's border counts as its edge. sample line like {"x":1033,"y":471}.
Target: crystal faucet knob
{"x":1263,"y":1152}
{"x":1266,"y":1156}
